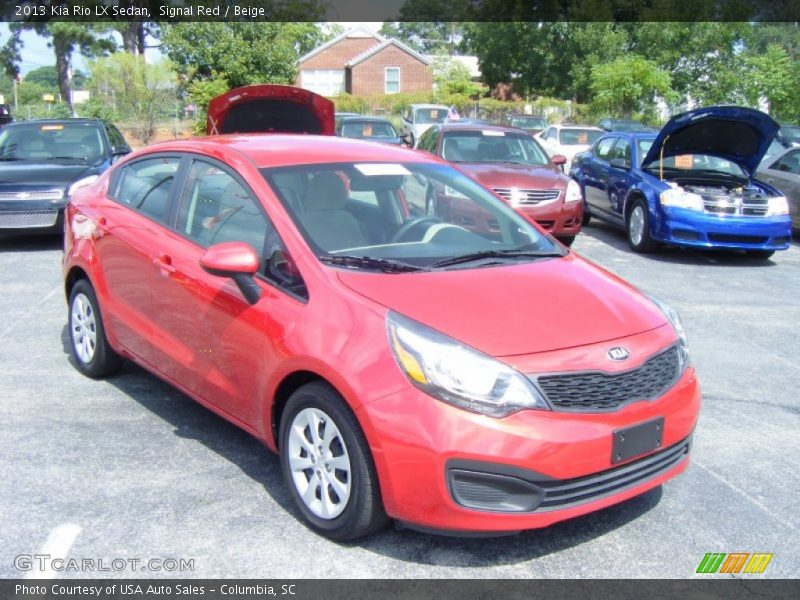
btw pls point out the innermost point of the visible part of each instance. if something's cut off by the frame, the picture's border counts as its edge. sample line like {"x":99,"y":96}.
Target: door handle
{"x":164,"y":264}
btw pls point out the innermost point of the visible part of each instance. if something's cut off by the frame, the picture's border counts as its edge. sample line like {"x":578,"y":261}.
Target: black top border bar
{"x":403,"y":10}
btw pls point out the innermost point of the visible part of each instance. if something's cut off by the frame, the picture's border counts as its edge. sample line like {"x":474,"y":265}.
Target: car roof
{"x":429,"y":106}
{"x":266,"y":150}
{"x":59,"y":121}
{"x":457,"y":126}
{"x":356,"y":118}
{"x":592,"y":127}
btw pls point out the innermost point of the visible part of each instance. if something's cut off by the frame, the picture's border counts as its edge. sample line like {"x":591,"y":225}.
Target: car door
{"x":595,"y":176}
{"x":619,"y":168}
{"x":784,"y":174}
{"x":208,"y":338}
{"x":133,"y":220}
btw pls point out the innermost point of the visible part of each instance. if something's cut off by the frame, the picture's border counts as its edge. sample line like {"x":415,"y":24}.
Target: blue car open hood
{"x":735,"y":133}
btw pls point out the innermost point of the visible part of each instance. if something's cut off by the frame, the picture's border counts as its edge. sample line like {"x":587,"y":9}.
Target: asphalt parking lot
{"x":130,"y":468}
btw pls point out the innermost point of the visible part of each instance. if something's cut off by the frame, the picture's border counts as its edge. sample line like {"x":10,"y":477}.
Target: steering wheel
{"x":409,"y":225}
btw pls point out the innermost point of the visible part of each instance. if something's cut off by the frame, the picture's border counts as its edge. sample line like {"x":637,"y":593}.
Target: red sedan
{"x":512,"y":164}
{"x":403,"y":365}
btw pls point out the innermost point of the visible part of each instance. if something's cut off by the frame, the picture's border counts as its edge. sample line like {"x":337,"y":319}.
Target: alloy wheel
{"x":636,"y":225}
{"x":84,"y":328}
{"x":319,"y":463}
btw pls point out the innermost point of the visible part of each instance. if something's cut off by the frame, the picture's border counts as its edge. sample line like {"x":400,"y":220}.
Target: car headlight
{"x":81,"y":183}
{"x":675,"y":320}
{"x":573,"y":192}
{"x":454,"y":373}
{"x":678,"y":198}
{"x":777,"y":206}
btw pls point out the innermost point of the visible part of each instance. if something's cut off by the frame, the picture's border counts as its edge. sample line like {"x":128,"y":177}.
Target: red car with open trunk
{"x":403,"y":365}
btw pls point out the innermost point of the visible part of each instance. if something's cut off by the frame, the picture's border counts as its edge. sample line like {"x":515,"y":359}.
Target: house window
{"x":392,"y":80}
{"x":327,"y":82}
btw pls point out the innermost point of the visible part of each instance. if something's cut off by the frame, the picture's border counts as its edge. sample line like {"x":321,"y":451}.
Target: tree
{"x":452,"y":77}
{"x":242,"y":52}
{"x":773,"y":77}
{"x":65,"y":38}
{"x":130,"y":88}
{"x":48,"y":78}
{"x":427,"y":37}
{"x":629,"y":83}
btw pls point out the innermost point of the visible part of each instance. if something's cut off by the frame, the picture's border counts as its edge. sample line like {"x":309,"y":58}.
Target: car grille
{"x":598,"y":391}
{"x":743,"y":206}
{"x":25,"y":220}
{"x":559,"y":494}
{"x":33,"y":195}
{"x":727,"y":238}
{"x":530,"y":197}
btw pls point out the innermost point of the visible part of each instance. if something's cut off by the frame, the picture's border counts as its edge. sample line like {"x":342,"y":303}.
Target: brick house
{"x":364,"y":63}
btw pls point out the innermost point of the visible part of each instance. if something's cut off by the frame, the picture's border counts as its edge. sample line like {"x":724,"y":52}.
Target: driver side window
{"x":603,"y":148}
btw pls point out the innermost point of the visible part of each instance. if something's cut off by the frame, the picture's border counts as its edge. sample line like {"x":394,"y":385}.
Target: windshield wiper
{"x":80,"y":158}
{"x":513,"y":253}
{"x":9,"y":158}
{"x":369,"y":262}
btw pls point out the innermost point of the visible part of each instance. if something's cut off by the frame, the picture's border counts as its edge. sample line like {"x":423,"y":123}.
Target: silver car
{"x":418,"y":118}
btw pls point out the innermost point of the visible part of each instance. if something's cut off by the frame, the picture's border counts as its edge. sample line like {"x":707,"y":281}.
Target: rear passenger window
{"x":145,"y":186}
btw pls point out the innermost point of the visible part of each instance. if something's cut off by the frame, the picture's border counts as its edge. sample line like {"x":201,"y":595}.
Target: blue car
{"x":689,"y":185}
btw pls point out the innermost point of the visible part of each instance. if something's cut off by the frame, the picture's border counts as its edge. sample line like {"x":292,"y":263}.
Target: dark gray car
{"x":783,"y":171}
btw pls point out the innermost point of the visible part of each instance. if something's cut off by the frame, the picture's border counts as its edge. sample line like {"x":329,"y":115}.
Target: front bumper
{"x":559,"y":219}
{"x":41,"y":216}
{"x":417,"y":441}
{"x":689,"y":228}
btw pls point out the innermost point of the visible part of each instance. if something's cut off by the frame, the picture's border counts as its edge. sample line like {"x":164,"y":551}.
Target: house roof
{"x":355,"y":32}
{"x":386,"y":43}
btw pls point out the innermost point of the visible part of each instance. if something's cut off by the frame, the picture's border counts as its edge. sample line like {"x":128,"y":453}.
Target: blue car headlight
{"x":679,"y":198}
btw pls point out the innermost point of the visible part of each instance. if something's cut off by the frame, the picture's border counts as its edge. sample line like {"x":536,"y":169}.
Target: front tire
{"x":638,"y":228}
{"x":327,"y":465}
{"x":89,"y":346}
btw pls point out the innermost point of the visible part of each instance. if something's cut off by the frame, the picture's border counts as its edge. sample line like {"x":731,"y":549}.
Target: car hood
{"x":512,"y":175}
{"x":517,"y":309}
{"x":48,"y":174}
{"x":735,"y":133}
{"x":270,"y":108}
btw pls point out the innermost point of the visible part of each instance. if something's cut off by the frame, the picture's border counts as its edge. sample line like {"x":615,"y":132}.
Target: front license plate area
{"x":637,"y":440}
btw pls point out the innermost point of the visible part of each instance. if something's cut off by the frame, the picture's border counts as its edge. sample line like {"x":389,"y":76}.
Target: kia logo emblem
{"x":618,"y":353}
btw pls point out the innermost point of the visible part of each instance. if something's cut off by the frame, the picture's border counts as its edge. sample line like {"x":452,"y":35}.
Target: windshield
{"x":430,"y":115}
{"x":791,"y":134}
{"x":692,"y":164}
{"x":409,"y":215}
{"x":492,"y":146}
{"x":368,"y":129}
{"x":528,"y":122}
{"x":40,"y":142}
{"x":579,"y":137}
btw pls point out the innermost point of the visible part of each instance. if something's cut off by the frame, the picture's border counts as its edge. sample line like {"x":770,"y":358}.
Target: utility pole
{"x":16,"y":104}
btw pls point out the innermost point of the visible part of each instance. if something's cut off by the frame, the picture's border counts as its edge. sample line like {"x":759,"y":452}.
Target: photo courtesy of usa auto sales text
{"x":141,"y":591}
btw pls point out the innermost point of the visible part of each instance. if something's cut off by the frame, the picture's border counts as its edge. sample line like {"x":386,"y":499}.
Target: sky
{"x":35,"y":52}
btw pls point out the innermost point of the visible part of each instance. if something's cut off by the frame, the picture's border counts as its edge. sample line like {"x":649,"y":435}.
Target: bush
{"x":201,"y":93}
{"x":350,"y":103}
{"x":40,"y":110}
{"x":97,"y":108}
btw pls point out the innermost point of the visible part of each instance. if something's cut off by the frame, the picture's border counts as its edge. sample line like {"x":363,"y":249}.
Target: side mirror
{"x":118,"y":152}
{"x":236,"y":260}
{"x":620,"y":163}
{"x":406,"y":139}
{"x":559,"y":159}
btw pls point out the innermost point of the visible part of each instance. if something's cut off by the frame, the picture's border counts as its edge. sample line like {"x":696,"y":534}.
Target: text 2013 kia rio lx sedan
{"x":402,"y":365}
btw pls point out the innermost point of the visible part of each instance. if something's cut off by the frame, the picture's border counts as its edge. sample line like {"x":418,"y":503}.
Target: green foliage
{"x":43,"y":110}
{"x":452,"y":77}
{"x":350,"y":103}
{"x":627,"y":84}
{"x":131,"y":88}
{"x":98,"y":108}
{"x":243,"y":53}
{"x":201,"y":92}
{"x":428,"y":37}
{"x":774,"y":77}
{"x":31,"y":93}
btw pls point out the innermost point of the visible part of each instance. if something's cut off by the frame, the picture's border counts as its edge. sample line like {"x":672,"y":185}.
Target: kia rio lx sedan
{"x":294,"y":285}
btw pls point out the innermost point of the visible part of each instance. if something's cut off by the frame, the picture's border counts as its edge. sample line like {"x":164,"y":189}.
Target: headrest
{"x":326,"y":192}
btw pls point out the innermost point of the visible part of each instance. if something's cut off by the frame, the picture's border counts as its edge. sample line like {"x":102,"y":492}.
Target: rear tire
{"x":89,"y":346}
{"x":587,"y":216}
{"x":638,"y":228}
{"x":327,"y":465}
{"x":760,"y":254}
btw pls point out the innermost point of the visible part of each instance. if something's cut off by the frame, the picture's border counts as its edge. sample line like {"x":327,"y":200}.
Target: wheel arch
{"x":74,"y":275}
